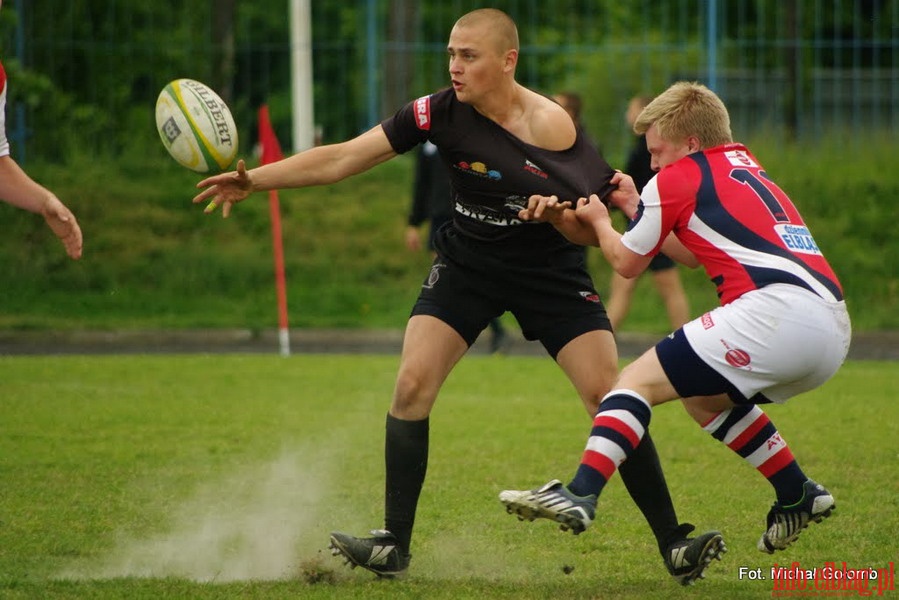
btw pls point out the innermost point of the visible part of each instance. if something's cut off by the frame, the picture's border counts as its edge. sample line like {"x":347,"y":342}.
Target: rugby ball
{"x":196,"y":126}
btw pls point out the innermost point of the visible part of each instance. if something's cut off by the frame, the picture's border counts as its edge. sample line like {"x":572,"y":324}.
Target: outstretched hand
{"x":226,"y":189}
{"x":63,"y":223}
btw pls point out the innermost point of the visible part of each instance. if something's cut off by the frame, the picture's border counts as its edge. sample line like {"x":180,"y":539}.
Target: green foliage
{"x":106,"y":57}
{"x":221,"y":476}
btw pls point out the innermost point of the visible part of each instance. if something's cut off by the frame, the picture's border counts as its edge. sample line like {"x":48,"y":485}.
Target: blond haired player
{"x":782,"y":328}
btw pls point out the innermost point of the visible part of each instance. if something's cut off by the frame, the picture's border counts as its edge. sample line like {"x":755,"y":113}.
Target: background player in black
{"x":432,"y":198}
{"x":502,"y":143}
{"x":432,"y":203}
{"x":573,"y":104}
{"x":665,"y":275}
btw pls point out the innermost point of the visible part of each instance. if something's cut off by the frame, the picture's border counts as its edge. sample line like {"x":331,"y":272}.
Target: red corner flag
{"x":271,"y":149}
{"x":271,"y":152}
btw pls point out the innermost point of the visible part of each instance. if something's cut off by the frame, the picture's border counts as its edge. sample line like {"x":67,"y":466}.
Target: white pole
{"x":301,"y":74}
{"x":284,"y":341}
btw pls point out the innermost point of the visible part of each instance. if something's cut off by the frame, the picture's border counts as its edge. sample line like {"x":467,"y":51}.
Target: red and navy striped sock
{"x":750,"y":433}
{"x":618,"y":427}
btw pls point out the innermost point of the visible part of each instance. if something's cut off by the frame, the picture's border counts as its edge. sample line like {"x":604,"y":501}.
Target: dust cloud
{"x":249,"y":526}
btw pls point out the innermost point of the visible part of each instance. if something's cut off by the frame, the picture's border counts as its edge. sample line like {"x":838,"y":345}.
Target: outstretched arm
{"x":317,"y":166}
{"x":20,"y":190}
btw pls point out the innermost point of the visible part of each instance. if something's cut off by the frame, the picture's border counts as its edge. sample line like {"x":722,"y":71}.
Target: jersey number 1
{"x":747,"y":177}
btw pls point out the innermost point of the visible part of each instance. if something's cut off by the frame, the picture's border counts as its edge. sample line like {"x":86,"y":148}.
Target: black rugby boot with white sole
{"x":380,"y":553}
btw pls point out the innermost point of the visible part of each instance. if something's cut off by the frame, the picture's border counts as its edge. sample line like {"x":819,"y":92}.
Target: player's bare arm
{"x":678,"y":252}
{"x":627,"y":263}
{"x":317,"y":166}
{"x":20,"y":190}
{"x":626,"y":197}
{"x":594,"y":214}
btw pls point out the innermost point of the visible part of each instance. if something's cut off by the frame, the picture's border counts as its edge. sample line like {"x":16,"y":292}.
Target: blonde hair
{"x":687,"y":109}
{"x":500,"y":24}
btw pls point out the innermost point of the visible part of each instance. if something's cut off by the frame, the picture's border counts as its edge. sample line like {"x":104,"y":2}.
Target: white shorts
{"x":767,"y":346}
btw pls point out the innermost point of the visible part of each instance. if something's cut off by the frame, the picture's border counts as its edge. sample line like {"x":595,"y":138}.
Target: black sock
{"x":406,"y":459}
{"x":642,"y":476}
{"x":496,"y":326}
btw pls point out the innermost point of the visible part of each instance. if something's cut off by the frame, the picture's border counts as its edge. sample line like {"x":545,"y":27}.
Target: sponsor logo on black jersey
{"x":486,"y":214}
{"x":478,"y":169}
{"x":532,"y":168}
{"x":423,"y":113}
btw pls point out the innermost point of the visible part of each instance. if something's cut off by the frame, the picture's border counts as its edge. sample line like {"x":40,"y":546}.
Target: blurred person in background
{"x":663,"y":270}
{"x":573,"y":105}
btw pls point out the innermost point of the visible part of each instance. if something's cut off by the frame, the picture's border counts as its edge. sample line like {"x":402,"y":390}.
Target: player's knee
{"x":606,"y":376}
{"x":412,"y":396}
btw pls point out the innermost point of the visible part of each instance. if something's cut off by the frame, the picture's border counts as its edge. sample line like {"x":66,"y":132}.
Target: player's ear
{"x":693,"y":144}
{"x":511,"y":59}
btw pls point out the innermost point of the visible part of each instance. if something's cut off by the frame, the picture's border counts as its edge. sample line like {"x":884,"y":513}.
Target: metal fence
{"x":790,"y":68}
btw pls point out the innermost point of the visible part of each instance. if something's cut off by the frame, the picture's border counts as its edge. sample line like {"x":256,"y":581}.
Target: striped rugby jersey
{"x":741,"y":226}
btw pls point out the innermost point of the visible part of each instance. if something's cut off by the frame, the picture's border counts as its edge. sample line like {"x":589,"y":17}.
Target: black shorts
{"x":551,"y":294}
{"x":661,"y":262}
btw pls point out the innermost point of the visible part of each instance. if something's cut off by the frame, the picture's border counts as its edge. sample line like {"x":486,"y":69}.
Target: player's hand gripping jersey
{"x":493,"y":172}
{"x":740,"y":225}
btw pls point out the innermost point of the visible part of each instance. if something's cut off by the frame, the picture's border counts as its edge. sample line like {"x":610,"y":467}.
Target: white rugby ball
{"x":196,"y":126}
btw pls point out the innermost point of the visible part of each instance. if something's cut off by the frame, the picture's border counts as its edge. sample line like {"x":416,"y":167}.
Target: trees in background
{"x":86,"y":72}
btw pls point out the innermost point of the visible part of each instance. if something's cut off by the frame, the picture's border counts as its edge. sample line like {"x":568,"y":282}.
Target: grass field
{"x":204,"y":476}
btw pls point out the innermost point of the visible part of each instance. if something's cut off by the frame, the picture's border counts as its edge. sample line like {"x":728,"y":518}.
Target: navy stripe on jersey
{"x":710,"y":210}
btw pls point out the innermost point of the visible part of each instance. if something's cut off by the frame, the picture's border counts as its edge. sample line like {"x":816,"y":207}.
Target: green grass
{"x":208,"y":476}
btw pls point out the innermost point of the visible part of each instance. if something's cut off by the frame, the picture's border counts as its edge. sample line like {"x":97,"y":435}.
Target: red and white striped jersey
{"x":741,"y":226}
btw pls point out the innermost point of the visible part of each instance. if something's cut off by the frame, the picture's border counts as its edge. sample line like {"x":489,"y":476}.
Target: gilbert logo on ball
{"x":196,"y":126}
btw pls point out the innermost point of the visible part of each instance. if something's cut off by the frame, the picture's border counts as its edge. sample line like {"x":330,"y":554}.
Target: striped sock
{"x":618,"y":427}
{"x":750,"y":433}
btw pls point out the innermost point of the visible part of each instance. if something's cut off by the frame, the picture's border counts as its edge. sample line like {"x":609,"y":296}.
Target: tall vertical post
{"x":711,"y":34}
{"x":20,"y":129}
{"x":371,"y":62}
{"x":301,"y":74}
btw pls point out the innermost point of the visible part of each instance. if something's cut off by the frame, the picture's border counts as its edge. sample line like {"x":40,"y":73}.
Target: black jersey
{"x":493,"y":172}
